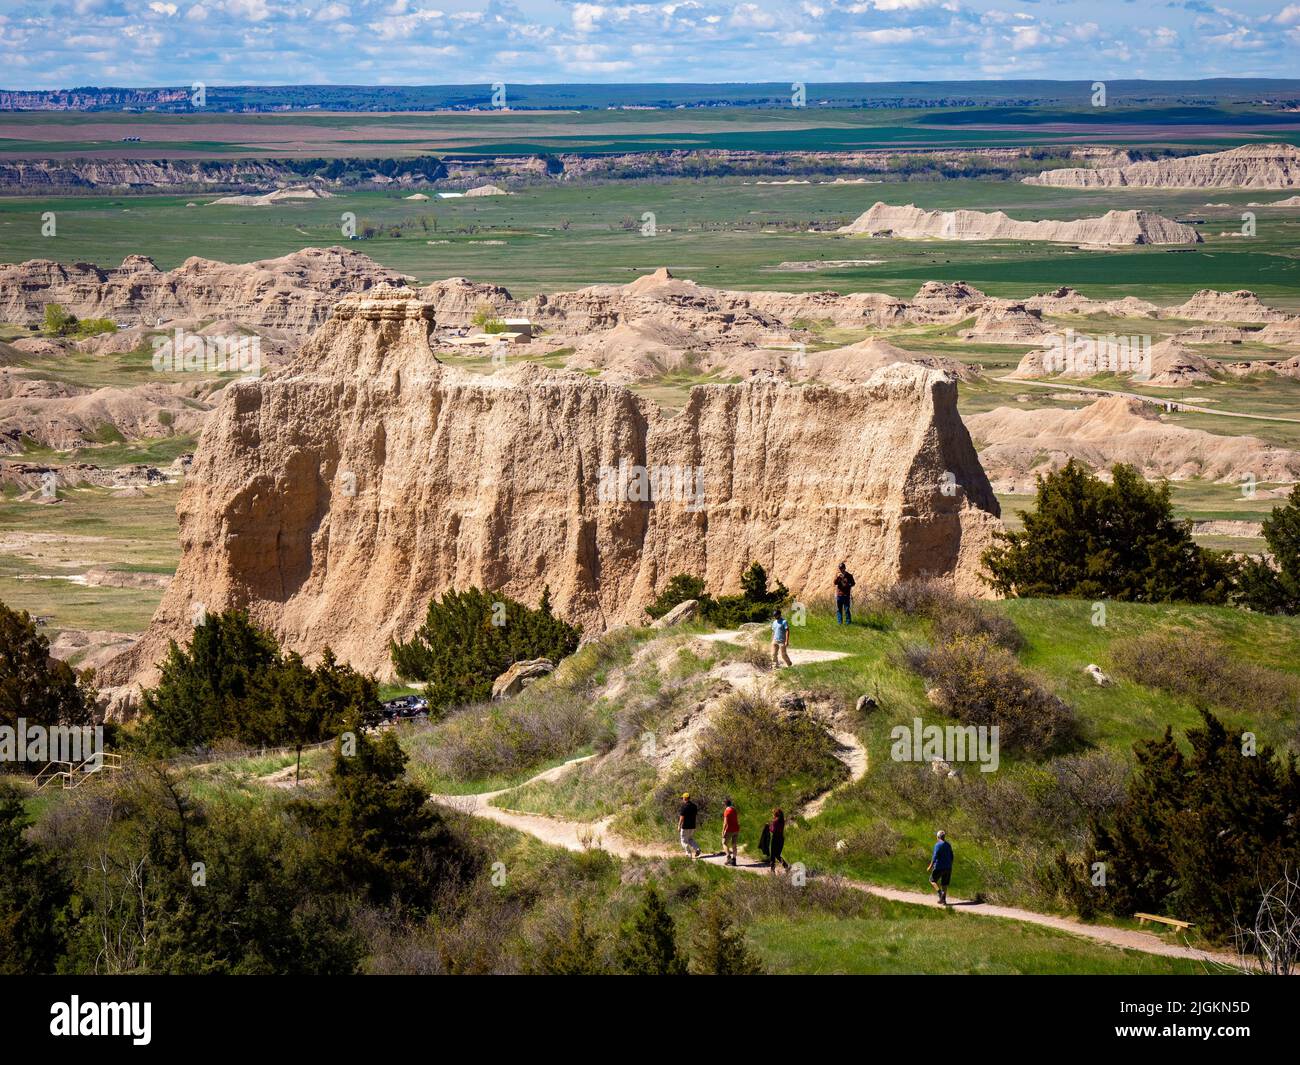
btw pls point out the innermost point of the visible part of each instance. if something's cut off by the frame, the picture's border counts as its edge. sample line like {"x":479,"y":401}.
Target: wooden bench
{"x":1182,"y":926}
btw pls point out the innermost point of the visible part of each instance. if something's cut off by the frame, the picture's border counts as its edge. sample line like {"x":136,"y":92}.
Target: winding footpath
{"x":585,"y":835}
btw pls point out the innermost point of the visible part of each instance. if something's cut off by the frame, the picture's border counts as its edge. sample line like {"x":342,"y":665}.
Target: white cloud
{"x":252,"y":10}
{"x":163,"y":9}
{"x":586,"y":17}
{"x":894,"y":36}
{"x":332,"y":12}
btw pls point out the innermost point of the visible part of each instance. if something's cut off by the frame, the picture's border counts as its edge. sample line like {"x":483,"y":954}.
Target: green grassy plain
{"x":726,"y":233}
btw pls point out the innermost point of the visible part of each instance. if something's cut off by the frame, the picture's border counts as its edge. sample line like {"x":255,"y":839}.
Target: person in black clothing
{"x":686,"y":816}
{"x":844,"y":583}
{"x":776,"y":832}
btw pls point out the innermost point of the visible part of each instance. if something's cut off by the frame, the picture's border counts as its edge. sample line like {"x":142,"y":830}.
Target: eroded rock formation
{"x":334,"y":497}
{"x":294,"y":292}
{"x":1113,"y":229}
{"x":1252,"y":166}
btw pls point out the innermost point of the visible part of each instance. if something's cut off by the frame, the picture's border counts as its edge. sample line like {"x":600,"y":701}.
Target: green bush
{"x":470,"y":638}
{"x":59,"y":321}
{"x":233,"y":682}
{"x":756,"y":601}
{"x":34,"y":686}
{"x":1093,"y":540}
{"x":1199,"y":835}
{"x":980,"y":683}
{"x":1273,"y":587}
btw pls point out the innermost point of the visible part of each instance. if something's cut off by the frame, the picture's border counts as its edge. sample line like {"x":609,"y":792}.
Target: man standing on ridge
{"x":686,"y":825}
{"x":940,"y":867}
{"x":844,"y":583}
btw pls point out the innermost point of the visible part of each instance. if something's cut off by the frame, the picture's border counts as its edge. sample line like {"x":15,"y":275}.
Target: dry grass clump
{"x":1204,"y":673}
{"x":979,"y":682}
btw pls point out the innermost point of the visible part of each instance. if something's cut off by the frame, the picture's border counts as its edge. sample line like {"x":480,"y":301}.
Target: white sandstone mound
{"x":267,"y":198}
{"x":487,"y":190}
{"x":1252,"y":166}
{"x":1016,"y":443}
{"x":1113,"y":229}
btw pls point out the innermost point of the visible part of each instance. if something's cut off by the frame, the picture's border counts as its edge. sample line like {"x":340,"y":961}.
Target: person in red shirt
{"x":730,"y":832}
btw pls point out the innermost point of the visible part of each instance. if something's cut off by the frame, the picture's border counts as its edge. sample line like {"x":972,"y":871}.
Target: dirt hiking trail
{"x":585,"y":835}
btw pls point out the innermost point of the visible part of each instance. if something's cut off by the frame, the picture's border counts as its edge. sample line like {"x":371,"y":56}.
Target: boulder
{"x":792,"y":703}
{"x":867,"y":705}
{"x":519,"y":676}
{"x":683,"y":611}
{"x":1094,"y":671}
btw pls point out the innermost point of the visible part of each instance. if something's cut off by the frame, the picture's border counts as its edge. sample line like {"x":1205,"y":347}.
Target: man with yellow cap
{"x":686,"y":825}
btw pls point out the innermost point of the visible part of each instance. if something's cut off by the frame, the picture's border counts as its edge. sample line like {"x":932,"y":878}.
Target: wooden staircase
{"x":73,"y":775}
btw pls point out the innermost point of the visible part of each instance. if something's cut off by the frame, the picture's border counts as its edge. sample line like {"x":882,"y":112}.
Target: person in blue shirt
{"x":940,"y":867}
{"x":780,"y":641}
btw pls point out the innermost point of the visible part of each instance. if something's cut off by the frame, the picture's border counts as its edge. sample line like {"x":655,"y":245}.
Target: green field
{"x":209,"y":133}
{"x":726,"y":233}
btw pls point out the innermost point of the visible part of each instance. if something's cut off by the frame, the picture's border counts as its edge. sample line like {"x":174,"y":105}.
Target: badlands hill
{"x":333,"y":498}
{"x":1113,"y":229}
{"x":1252,"y":166}
{"x":1016,"y":443}
{"x":294,"y":292}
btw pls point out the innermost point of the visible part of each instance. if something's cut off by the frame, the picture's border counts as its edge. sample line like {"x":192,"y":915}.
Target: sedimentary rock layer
{"x":1114,"y":228}
{"x":1252,"y":166}
{"x":294,"y":292}
{"x":333,"y":498}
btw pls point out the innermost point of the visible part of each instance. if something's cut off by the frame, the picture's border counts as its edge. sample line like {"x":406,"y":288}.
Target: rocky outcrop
{"x":1016,"y":443}
{"x":64,"y":417}
{"x":294,"y":292}
{"x":1209,"y":305}
{"x":519,"y":676}
{"x":1006,"y":322}
{"x":1065,"y":300}
{"x":1113,"y":229}
{"x":333,"y":498}
{"x":1252,"y":166}
{"x":945,"y":301}
{"x":856,"y":363}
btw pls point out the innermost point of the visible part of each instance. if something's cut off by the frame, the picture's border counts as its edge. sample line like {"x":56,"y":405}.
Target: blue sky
{"x":62,"y":43}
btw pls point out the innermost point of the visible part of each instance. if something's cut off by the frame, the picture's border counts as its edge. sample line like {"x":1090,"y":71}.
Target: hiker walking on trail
{"x":844,"y":583}
{"x":686,"y":816}
{"x":780,"y":641}
{"x":940,"y":867}
{"x":730,"y":832}
{"x":776,"y":841}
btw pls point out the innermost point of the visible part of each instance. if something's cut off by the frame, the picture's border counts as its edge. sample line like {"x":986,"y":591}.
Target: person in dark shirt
{"x":844,"y":583}
{"x":686,"y":816}
{"x":940,"y":867}
{"x":776,"y":830}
